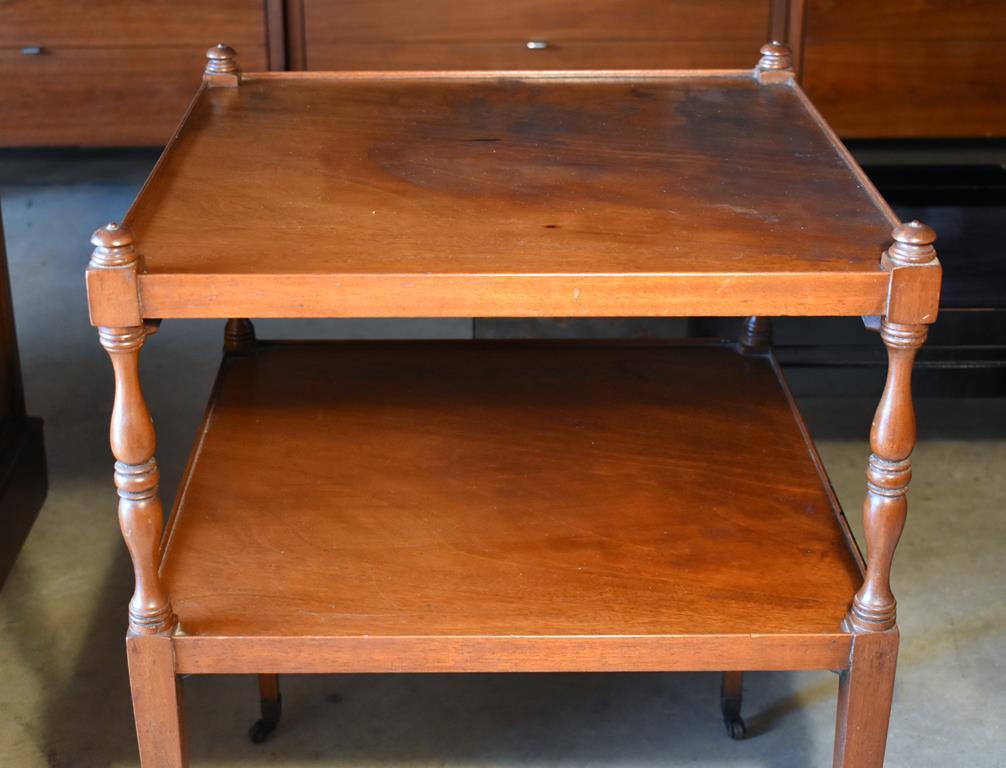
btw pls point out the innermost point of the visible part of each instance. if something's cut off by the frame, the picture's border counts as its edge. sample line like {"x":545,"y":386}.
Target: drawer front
{"x":599,"y":34}
{"x":101,"y":96}
{"x":904,"y":20}
{"x":101,"y":23}
{"x":946,"y":79}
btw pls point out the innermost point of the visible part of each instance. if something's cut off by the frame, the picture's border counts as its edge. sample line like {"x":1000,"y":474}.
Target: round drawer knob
{"x":537,"y":45}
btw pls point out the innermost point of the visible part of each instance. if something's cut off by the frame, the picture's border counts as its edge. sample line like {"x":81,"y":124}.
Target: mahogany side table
{"x":500,"y":507}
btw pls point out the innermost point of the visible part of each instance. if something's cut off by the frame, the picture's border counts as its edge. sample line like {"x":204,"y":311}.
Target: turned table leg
{"x":867,"y":687}
{"x":156,"y":696}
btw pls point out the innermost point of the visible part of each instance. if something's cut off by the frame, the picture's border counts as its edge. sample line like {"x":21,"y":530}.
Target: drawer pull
{"x":32,"y":50}
{"x":537,"y":45}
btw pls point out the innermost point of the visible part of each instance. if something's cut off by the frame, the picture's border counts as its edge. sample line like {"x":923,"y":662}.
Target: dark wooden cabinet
{"x":22,"y":456}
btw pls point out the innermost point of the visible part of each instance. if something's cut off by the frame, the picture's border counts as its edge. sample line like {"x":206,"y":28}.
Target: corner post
{"x":892,"y":438}
{"x":866,"y":688}
{"x":221,"y":67}
{"x":133,"y":443}
{"x":775,"y":64}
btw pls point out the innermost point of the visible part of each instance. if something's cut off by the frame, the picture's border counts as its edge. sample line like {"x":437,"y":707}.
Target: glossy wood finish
{"x":945,"y":77}
{"x":157,"y":702}
{"x":892,"y":439}
{"x":540,"y":491}
{"x":112,"y":72}
{"x":503,"y":507}
{"x":865,"y":692}
{"x":477,"y":195}
{"x":133,"y":442}
{"x":564,"y":34}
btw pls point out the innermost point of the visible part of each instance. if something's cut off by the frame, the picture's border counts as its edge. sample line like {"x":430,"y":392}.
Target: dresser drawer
{"x":101,"y":23}
{"x":946,"y":79}
{"x":531,"y":34}
{"x":101,"y":96}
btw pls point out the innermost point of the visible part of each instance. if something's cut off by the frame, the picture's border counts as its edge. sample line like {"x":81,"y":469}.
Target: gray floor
{"x":64,"y":696}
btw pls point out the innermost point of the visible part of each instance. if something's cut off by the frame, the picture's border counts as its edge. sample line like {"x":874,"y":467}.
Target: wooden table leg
{"x":271,"y":702}
{"x":731,"y":697}
{"x":864,"y":701}
{"x":152,"y":622}
{"x":157,"y":701}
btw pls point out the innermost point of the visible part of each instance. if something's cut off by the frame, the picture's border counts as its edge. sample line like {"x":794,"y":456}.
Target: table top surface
{"x":504,"y":174}
{"x":506,"y":194}
{"x":504,"y":489}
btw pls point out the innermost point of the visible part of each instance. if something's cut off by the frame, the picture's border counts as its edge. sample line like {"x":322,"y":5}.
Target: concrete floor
{"x":64,"y":698}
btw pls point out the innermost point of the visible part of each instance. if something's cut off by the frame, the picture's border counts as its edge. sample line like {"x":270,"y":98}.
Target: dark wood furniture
{"x":116,"y":72}
{"x":524,"y":34}
{"x":944,"y":78}
{"x":391,"y":507}
{"x":22,"y":453}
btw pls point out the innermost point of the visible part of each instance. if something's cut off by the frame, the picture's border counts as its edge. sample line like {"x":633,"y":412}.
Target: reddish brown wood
{"x":892,"y":439}
{"x":478,"y":533}
{"x":221,"y":66}
{"x":115,"y":72}
{"x":888,"y":474}
{"x":870,"y":81}
{"x":539,"y":513}
{"x":489,"y":197}
{"x":864,"y":701}
{"x":648,"y":653}
{"x":275,"y":25}
{"x":530,"y":34}
{"x":157,"y":702}
{"x":133,"y":443}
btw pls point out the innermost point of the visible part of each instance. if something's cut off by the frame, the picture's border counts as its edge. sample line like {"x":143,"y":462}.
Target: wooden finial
{"x":776,"y":62}
{"x":113,"y":247}
{"x":756,"y":334}
{"x":913,"y":244}
{"x":221,"y":65}
{"x":239,"y":336}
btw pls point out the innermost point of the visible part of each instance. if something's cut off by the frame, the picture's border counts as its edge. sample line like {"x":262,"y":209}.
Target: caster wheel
{"x":259,"y":732}
{"x":736,"y":728}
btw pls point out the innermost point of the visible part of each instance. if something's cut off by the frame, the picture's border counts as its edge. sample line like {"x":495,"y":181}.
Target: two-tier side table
{"x":507,"y":506}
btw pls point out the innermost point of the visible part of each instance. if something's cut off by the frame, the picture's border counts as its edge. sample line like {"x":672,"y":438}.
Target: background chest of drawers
{"x":116,"y":72}
{"x":112,"y":72}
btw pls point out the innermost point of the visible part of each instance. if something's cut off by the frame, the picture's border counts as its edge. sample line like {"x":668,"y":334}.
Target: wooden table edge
{"x":173,"y":295}
{"x":445,"y":653}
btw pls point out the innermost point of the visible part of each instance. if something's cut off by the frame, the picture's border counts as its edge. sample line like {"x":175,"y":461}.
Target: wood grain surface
{"x":704,"y":193}
{"x":453,"y":34}
{"x":404,"y":493}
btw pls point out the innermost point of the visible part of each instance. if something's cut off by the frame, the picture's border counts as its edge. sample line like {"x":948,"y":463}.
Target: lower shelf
{"x":431,"y":506}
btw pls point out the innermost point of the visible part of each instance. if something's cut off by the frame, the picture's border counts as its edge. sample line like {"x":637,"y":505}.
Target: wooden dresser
{"x":111,"y":72}
{"x":114,"y":72}
{"x":907,"y":68}
{"x":525,"y":34}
